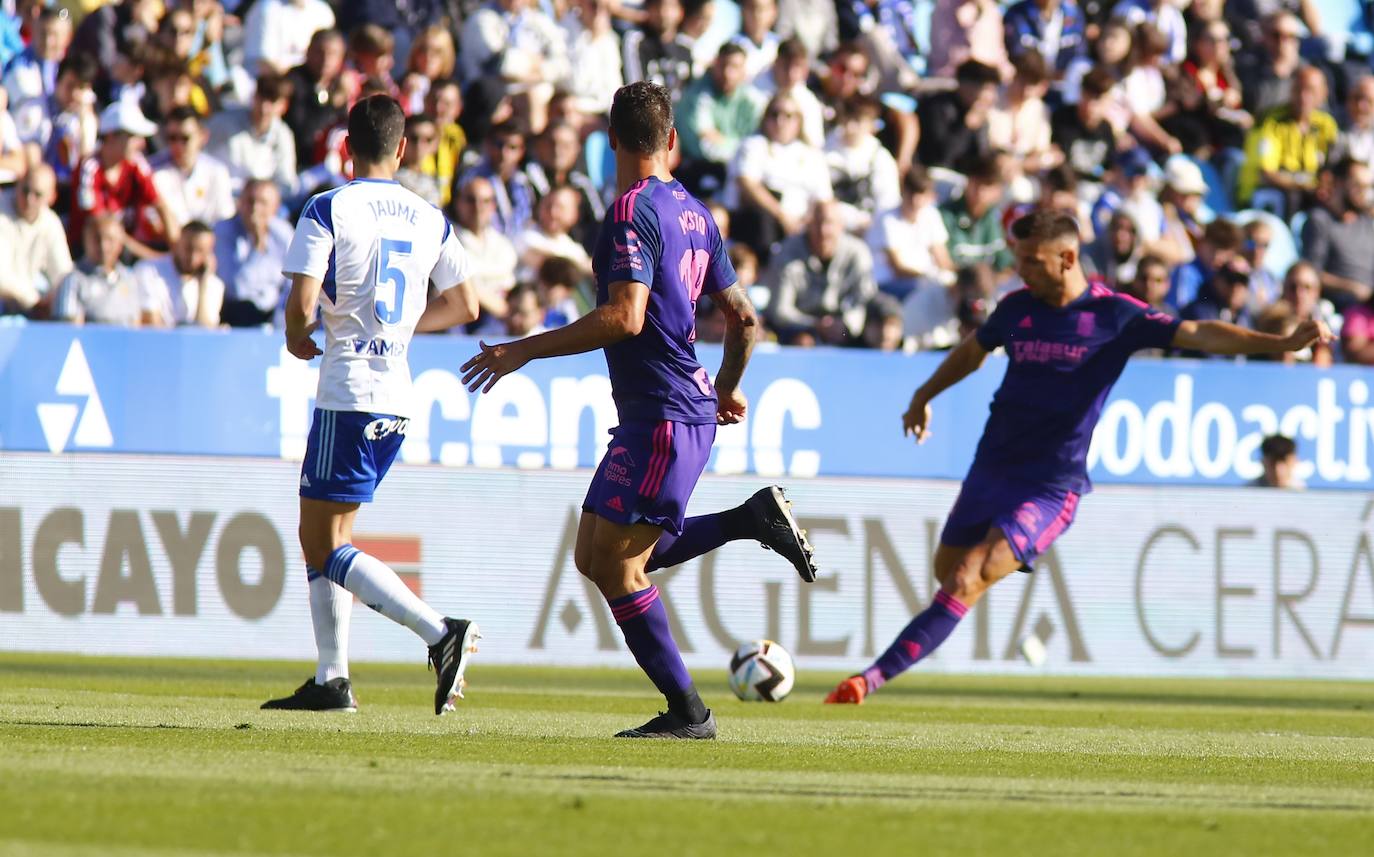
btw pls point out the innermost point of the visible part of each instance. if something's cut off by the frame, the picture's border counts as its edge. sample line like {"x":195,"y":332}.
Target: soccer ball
{"x":761,"y":671}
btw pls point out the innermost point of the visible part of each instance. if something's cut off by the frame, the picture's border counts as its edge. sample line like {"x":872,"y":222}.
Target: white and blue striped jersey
{"x":376,"y":246}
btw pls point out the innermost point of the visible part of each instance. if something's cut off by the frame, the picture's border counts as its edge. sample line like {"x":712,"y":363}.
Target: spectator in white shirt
{"x":863,"y":172}
{"x":1357,"y":134}
{"x":31,"y":77}
{"x":756,"y":35}
{"x":277,"y":32}
{"x":255,"y":143}
{"x":787,"y":76}
{"x":909,"y":243}
{"x":491,"y":256}
{"x":594,"y":70}
{"x":775,"y":180}
{"x":195,"y":186}
{"x":181,"y":288}
{"x":515,"y":41}
{"x":13,"y":157}
{"x":548,"y":236}
{"x":101,"y":289}
{"x":34,"y":257}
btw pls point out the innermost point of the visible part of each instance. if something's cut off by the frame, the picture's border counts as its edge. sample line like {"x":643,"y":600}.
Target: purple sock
{"x":644,"y":623}
{"x":701,"y":535}
{"x":920,"y":637}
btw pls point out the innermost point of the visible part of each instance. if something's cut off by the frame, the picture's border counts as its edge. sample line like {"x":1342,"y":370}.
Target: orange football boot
{"x":851,"y":691}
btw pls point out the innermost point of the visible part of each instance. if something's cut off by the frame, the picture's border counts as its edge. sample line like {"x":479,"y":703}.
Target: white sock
{"x":377,"y":586}
{"x":331,"y":609}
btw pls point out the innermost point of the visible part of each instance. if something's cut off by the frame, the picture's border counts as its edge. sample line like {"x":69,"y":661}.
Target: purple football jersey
{"x":1062,"y":363}
{"x":660,"y":235}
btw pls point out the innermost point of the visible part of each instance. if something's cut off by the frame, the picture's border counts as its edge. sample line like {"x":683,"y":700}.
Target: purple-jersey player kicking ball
{"x":1067,"y":342}
{"x":658,"y":252}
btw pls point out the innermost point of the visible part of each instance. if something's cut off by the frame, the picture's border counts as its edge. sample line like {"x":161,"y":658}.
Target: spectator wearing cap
{"x":101,"y":290}
{"x":277,"y":33}
{"x":1184,"y":189}
{"x":863,"y":173}
{"x":1338,"y":238}
{"x":491,"y":255}
{"x":1286,"y":149}
{"x":181,"y":288}
{"x":788,"y":76}
{"x":195,"y":186}
{"x":250,"y":249}
{"x":910,"y":244}
{"x":1128,"y":188}
{"x":1357,"y":132}
{"x":254,"y":142}
{"x":1083,"y":131}
{"x":320,"y":91}
{"x":1053,"y":28}
{"x":718,"y":111}
{"x":1279,"y":458}
{"x":966,"y":30}
{"x":1221,"y":244}
{"x":954,"y":125}
{"x":822,"y":281}
{"x":34,"y":256}
{"x":775,"y":180}
{"x":974,"y":219}
{"x":31,"y":77}
{"x":501,"y":166}
{"x":117,"y":179}
{"x":756,"y":36}
{"x":1267,"y":75}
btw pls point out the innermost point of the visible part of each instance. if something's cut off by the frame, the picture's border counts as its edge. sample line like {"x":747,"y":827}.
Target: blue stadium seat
{"x":1283,"y":251}
{"x":1296,"y":224}
{"x":1344,"y":26}
{"x":600,"y":161}
{"x":1218,"y":197}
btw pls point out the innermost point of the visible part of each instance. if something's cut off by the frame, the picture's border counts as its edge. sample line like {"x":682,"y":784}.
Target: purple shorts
{"x":1031,"y":516}
{"x":648,"y":473}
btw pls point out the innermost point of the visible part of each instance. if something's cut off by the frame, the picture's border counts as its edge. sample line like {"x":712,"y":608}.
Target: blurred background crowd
{"x":864,"y":157}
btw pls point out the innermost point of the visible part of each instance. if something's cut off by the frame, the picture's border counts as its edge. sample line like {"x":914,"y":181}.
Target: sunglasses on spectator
{"x":783,"y":114}
{"x":178,"y":138}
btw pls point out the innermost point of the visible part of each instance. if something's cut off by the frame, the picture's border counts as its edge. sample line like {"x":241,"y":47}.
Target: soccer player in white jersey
{"x":365,"y":254}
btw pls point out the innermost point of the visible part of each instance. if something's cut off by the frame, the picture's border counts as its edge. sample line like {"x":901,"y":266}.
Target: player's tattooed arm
{"x":741,"y":331}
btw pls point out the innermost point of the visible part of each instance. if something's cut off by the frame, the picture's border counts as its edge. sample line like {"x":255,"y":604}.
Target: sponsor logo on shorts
{"x":615,"y":504}
{"x":619,"y":465}
{"x":380,"y":428}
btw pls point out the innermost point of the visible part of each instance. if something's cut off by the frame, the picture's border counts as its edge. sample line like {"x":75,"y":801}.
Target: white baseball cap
{"x":125,"y":115}
{"x":1184,"y":176}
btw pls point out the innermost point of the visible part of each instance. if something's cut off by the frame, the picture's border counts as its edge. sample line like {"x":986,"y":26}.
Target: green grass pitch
{"x":132,"y":757}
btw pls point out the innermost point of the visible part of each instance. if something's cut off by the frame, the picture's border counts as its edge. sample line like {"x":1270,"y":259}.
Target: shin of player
{"x":658,"y":253}
{"x":363,"y":256}
{"x":1067,"y":341}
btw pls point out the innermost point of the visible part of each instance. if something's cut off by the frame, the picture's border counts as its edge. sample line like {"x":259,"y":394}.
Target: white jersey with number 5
{"x":376,"y":246}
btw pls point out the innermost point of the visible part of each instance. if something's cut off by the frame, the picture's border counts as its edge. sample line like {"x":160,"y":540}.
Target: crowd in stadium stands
{"x":864,"y":157}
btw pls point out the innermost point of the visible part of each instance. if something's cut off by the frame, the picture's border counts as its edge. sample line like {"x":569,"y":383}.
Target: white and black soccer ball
{"x":762,"y":671}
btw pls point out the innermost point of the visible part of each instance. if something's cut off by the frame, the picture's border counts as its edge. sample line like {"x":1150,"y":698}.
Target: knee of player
{"x":967,"y":582}
{"x":582,"y":558}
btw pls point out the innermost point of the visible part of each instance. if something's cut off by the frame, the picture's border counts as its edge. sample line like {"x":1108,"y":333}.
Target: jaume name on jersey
{"x":392,"y":208}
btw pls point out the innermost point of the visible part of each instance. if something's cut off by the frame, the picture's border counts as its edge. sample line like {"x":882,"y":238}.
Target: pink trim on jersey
{"x":1059,"y":524}
{"x":638,"y":605}
{"x":1132,"y":300}
{"x":950,"y":603}
{"x":625,"y":206}
{"x":658,"y":463}
{"x":1100,"y":290}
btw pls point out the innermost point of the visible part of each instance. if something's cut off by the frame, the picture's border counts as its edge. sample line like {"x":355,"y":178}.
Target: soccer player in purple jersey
{"x":1067,"y":342}
{"x":658,"y":253}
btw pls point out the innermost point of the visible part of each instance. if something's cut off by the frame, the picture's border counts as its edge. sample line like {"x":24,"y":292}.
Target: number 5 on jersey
{"x":390,"y":274}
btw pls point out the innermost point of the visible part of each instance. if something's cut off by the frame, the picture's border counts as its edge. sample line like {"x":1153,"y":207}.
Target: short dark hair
{"x":983,"y":168}
{"x":1045,"y":226}
{"x":730,"y":49}
{"x":917,"y":180}
{"x":371,"y":39}
{"x":1098,"y":82}
{"x":197,"y":227}
{"x":860,"y":104}
{"x":1278,"y":447}
{"x":1223,"y":234}
{"x":375,"y":125}
{"x":273,"y":87}
{"x":1341,"y":168}
{"x":1031,"y":68}
{"x":80,"y":64}
{"x":642,"y":116}
{"x":558,"y":271}
{"x":415,"y":120}
{"x":1062,"y":177}
{"x":793,"y":48}
{"x":184,"y":113}
{"x":977,"y":73}
{"x":1150,"y":261}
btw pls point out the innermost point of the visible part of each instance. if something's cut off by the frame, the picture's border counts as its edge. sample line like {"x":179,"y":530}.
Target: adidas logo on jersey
{"x":1025,"y":322}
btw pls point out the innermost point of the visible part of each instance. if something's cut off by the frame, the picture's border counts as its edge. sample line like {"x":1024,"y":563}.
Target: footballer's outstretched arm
{"x":621,"y":317}
{"x":963,"y":361}
{"x":300,"y":312}
{"x":1219,"y":337}
{"x":450,"y":308}
{"x":741,"y":331}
